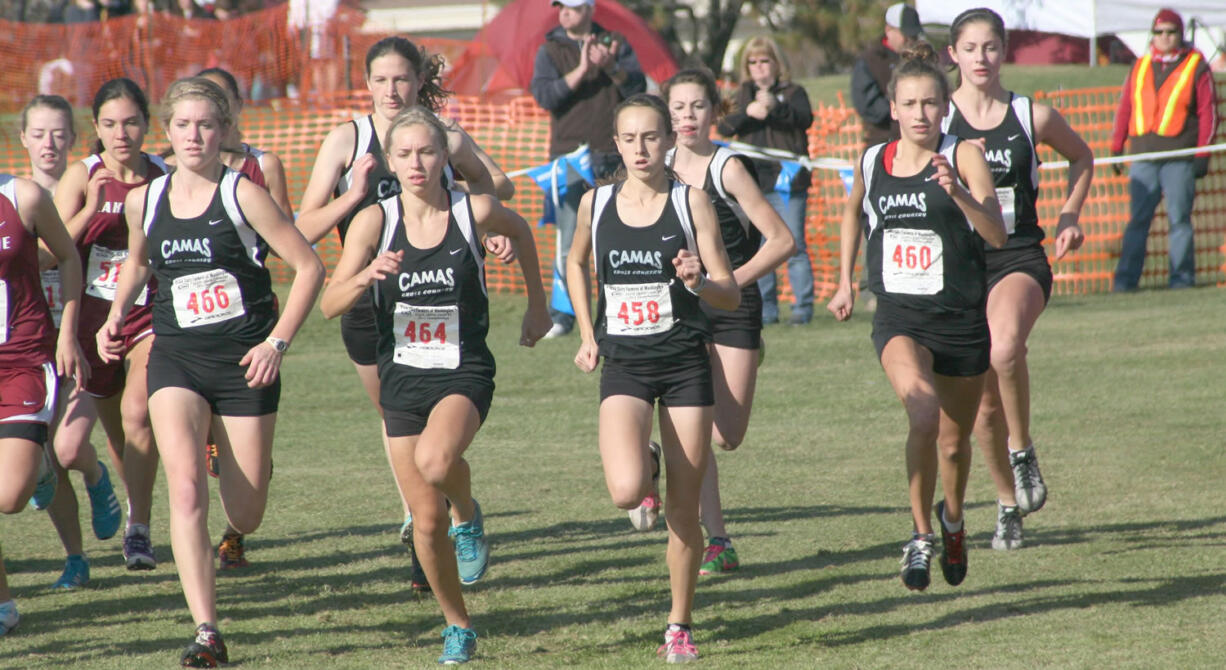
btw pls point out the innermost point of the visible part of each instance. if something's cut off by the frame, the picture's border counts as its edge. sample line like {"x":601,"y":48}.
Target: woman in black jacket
{"x":771,"y":111}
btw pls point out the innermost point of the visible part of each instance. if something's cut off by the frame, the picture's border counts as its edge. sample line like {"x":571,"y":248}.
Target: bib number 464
{"x":425,"y":332}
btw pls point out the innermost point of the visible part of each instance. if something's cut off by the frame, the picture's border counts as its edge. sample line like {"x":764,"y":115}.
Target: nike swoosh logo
{"x":667,"y":237}
{"x":30,"y":403}
{"x":456,"y":251}
{"x":2,"y":223}
{"x":213,"y":222}
{"x":1014,"y":137}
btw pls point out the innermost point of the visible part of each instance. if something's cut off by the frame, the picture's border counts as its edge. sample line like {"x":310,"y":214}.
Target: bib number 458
{"x":643,"y":312}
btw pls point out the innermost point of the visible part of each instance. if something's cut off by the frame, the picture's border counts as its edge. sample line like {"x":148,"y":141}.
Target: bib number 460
{"x":649,"y":312}
{"x":911,"y":257}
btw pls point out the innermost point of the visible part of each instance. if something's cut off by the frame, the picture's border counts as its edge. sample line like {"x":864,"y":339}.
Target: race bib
{"x":4,"y":311}
{"x":1007,"y":208}
{"x":102,"y":273}
{"x":427,"y":337}
{"x":638,"y":309}
{"x":911,"y":262}
{"x":54,"y":294}
{"x":206,"y":297}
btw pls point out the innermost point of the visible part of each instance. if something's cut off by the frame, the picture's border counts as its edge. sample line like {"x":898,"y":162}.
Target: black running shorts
{"x":406,"y":416}
{"x":960,"y":343}
{"x":217,"y":377}
{"x":682,"y":381}
{"x":1030,"y":260}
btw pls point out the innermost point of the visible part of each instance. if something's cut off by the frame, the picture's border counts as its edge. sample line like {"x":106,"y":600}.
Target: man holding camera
{"x":581,"y":73}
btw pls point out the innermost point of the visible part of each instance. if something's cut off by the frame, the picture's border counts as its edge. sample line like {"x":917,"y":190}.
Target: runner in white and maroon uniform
{"x":90,"y":200}
{"x":47,"y":132}
{"x":31,"y":351}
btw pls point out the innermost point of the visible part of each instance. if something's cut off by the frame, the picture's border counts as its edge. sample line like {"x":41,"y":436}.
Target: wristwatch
{"x":702,"y":283}
{"x":278,"y":345}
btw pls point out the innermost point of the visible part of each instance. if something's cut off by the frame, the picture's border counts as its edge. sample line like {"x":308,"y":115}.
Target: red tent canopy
{"x":499,"y":59}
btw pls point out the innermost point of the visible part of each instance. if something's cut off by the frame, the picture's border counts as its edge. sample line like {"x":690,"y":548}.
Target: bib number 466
{"x":208,"y":300}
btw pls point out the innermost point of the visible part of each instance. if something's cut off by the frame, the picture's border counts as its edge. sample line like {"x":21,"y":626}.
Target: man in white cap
{"x":581,"y":73}
{"x":871,"y":74}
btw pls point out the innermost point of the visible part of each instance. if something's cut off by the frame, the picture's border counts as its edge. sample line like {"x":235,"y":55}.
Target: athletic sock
{"x":678,"y":626}
{"x":949,"y":526}
{"x":722,"y":541}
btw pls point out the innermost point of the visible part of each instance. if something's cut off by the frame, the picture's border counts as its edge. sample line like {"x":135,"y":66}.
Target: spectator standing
{"x":1168,"y":103}
{"x":581,"y":73}
{"x":771,"y":111}
{"x":871,"y":74}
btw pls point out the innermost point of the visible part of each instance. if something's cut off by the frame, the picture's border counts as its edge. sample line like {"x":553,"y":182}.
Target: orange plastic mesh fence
{"x":516,"y":133}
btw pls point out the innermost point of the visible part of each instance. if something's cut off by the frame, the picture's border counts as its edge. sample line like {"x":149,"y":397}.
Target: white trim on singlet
{"x":90,"y":161}
{"x":153,"y":195}
{"x":600,"y":199}
{"x":868,"y":167}
{"x":715,"y":169}
{"x":229,"y":201}
{"x":462,"y":210}
{"x":1023,"y":107}
{"x":364,"y":130}
{"x":8,"y":188}
{"x":678,"y":199}
{"x":228,"y":187}
{"x":949,"y":149}
{"x":681,"y":203}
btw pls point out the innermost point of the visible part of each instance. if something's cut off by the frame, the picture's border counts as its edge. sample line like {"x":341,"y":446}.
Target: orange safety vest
{"x":1162,"y":113}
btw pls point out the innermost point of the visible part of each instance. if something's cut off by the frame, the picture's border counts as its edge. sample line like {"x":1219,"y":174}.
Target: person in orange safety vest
{"x":1167,"y":103}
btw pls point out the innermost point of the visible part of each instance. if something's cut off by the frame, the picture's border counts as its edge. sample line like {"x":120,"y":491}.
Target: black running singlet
{"x":433,"y":316}
{"x":210,"y":270}
{"x":923,"y":254}
{"x":644,"y":310}
{"x":381,"y":183}
{"x":741,"y":238}
{"x":1014,"y":163}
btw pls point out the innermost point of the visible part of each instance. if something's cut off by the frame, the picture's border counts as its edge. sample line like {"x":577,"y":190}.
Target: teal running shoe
{"x":472,"y":550}
{"x":76,"y":573}
{"x":458,"y":645}
{"x":104,"y":506}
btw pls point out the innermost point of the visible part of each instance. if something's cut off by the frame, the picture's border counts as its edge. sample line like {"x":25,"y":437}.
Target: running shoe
{"x":103,"y":506}
{"x":472,"y":550}
{"x":231,"y":553}
{"x":678,"y":646}
{"x":644,"y":516}
{"x":953,"y":549}
{"x":8,"y":617}
{"x":719,"y":558}
{"x":1028,"y":484}
{"x":417,"y":577}
{"x":207,"y":650}
{"x":210,"y":460}
{"x":1008,"y":528}
{"x":916,"y":560}
{"x":458,"y":645}
{"x":138,"y":549}
{"x":76,"y":573}
{"x":44,"y":489}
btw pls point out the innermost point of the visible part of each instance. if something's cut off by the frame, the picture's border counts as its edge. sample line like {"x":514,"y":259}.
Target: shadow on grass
{"x":1160,"y":592}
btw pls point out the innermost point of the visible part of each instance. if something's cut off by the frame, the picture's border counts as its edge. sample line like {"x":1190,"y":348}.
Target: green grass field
{"x":1122,"y":569}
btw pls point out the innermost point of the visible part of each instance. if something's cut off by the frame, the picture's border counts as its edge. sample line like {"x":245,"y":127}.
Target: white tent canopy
{"x":1130,"y":20}
{"x":1080,"y":18}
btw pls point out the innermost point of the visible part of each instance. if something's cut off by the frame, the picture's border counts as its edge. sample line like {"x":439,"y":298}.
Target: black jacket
{"x":870,"y":79}
{"x":785,"y":127}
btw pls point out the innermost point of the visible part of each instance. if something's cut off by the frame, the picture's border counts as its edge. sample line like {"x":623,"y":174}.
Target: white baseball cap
{"x":904,"y":17}
{"x":574,"y":3}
